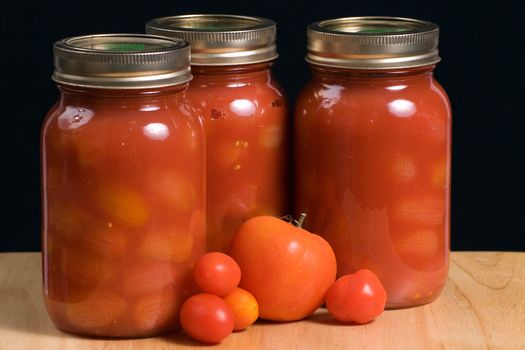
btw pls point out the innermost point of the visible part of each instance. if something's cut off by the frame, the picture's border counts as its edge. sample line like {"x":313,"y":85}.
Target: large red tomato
{"x":286,"y":268}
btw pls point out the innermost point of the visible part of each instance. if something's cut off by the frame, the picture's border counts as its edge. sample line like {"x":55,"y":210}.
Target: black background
{"x":482,"y":70}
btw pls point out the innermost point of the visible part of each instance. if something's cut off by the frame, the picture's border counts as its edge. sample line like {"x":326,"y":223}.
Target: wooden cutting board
{"x":482,"y":307}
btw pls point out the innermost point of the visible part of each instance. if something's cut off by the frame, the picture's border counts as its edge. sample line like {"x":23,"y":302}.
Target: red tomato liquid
{"x":123,"y":209}
{"x":373,"y":175}
{"x":245,"y":118}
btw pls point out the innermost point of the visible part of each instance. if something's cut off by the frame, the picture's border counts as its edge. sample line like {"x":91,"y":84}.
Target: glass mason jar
{"x":372,"y":147}
{"x":122,"y":186}
{"x":245,"y":117}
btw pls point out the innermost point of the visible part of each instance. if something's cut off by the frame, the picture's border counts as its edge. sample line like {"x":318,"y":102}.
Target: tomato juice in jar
{"x":372,"y":148}
{"x":245,"y":117}
{"x":123,"y":183}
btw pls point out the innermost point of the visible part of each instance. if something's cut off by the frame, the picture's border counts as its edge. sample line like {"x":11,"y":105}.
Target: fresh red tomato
{"x":216,"y":273}
{"x":206,"y":318}
{"x":286,"y":268}
{"x":359,"y":297}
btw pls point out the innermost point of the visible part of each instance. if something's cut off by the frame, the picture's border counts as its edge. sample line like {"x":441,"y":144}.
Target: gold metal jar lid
{"x":221,"y":40}
{"x":373,"y":43}
{"x":122,"y":61}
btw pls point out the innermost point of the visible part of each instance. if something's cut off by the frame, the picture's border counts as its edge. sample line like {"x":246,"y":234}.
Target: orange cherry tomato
{"x":286,"y":268}
{"x":216,"y":273}
{"x":206,"y":318}
{"x":358,"y":297}
{"x":244,"y":307}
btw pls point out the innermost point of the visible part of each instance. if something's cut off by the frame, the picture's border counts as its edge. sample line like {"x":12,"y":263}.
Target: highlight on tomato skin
{"x":356,"y":298}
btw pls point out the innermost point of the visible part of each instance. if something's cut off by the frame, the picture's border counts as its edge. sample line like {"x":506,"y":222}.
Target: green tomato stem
{"x":299,"y":222}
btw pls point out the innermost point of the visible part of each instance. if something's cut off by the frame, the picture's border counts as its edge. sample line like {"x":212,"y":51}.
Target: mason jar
{"x":372,"y":150}
{"x":245,"y":117}
{"x":123,"y":186}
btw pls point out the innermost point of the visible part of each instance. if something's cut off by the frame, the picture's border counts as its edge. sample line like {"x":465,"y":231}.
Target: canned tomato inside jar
{"x":245,"y":117}
{"x":122,"y":186}
{"x":372,"y":150}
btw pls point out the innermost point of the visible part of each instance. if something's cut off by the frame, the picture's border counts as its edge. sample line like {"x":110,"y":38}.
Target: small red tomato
{"x":359,"y":297}
{"x":206,"y":318}
{"x":216,"y":273}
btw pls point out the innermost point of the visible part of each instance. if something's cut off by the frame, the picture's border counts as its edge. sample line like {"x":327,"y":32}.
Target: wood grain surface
{"x":482,"y":307}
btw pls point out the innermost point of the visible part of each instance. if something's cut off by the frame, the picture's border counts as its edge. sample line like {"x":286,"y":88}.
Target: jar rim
{"x":221,"y":39}
{"x":373,"y":42}
{"x":124,"y":61}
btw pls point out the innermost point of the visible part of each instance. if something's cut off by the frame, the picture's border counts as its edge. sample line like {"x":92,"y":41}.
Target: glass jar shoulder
{"x":237,"y":97}
{"x":99,"y":136}
{"x":154,"y":118}
{"x":373,"y":96}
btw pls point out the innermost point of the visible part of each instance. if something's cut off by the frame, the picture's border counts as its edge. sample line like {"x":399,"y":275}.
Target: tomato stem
{"x":299,"y":222}
{"x":288,"y":218}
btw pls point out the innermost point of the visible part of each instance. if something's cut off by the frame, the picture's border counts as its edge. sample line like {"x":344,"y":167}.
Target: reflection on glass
{"x":396,"y":87}
{"x":243,"y":107}
{"x":149,"y":108}
{"x":74,"y":117}
{"x":156,"y":131}
{"x":236,"y":84}
{"x":402,"y":108}
{"x":331,"y":95}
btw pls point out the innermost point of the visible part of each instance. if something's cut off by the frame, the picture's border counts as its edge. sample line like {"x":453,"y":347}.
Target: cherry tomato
{"x":216,"y":273}
{"x":359,"y":297}
{"x":206,"y":318}
{"x":244,"y":307}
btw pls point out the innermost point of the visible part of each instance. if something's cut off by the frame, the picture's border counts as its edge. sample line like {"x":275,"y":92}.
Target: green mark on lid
{"x":212,"y":24}
{"x":383,"y":30}
{"x":124,"y":47}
